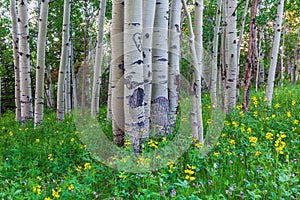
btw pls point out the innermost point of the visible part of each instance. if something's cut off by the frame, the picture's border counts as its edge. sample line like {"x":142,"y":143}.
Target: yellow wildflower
{"x":293,"y":102}
{"x":10,"y":133}
{"x":269,"y":136}
{"x":50,"y":157}
{"x":296,"y":122}
{"x":71,"y":187}
{"x":273,"y":116}
{"x":37,"y":140}
{"x":257,"y":153}
{"x":78,"y":169}
{"x":47,"y":198}
{"x":289,"y":114}
{"x":55,"y":193}
{"x":253,"y":140}
{"x":87,"y":166}
{"x":277,"y":105}
{"x":217,"y":154}
{"x":232,"y":141}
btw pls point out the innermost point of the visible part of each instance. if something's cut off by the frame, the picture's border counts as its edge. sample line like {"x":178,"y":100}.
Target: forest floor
{"x":256,"y":157}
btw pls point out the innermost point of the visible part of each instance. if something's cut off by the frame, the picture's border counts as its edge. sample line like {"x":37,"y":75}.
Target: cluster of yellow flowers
{"x":189,"y":171}
{"x":50,"y":157}
{"x":37,"y":189}
{"x":253,"y":140}
{"x":171,"y":166}
{"x":55,"y":193}
{"x":71,"y":187}
{"x":255,"y":101}
{"x":86,"y":166}
{"x":279,"y":144}
{"x":269,"y":136}
{"x":153,"y":143}
{"x":127,"y":144}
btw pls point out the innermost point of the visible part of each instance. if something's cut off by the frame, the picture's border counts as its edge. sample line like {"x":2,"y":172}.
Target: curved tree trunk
{"x":63,"y":62}
{"x":148,"y":22}
{"x":98,"y":60}
{"x":15,"y":36}
{"x":174,"y":58}
{"x":24,"y":62}
{"x":214,"y":68}
{"x":160,"y":119}
{"x":117,"y":71}
{"x":274,"y":57}
{"x":40,"y":69}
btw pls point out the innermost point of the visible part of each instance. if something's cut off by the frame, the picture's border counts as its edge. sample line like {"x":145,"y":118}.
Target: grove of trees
{"x":127,"y":55}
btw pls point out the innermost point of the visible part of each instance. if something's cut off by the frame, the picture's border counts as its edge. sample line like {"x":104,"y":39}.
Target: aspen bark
{"x":160,"y":111}
{"x":40,"y":69}
{"x":198,"y":24}
{"x":250,"y":57}
{"x":15,"y":37}
{"x":261,"y":58}
{"x":63,"y":61}
{"x":68,"y":83}
{"x":282,"y":54}
{"x":133,"y":74}
{"x":196,"y":99}
{"x":174,"y":58}
{"x":24,"y":62}
{"x":214,"y":64}
{"x":147,"y":37}
{"x":274,"y":56}
{"x":117,"y":70}
{"x":98,"y":60}
{"x":231,"y":74}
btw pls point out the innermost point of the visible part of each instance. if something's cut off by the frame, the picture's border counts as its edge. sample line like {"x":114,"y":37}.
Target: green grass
{"x":38,"y":164}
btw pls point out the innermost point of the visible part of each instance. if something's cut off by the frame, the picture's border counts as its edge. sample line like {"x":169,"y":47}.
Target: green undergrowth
{"x":256,"y":157}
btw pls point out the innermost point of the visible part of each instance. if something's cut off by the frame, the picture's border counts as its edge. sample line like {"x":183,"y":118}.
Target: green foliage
{"x":256,"y":158}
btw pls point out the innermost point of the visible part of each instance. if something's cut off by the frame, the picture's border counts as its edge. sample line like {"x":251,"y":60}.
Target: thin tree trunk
{"x":40,"y":69}
{"x":231,"y":74}
{"x":63,"y":62}
{"x":174,"y":58}
{"x":15,"y":36}
{"x":197,"y":78}
{"x":274,"y":57}
{"x":98,"y":60}
{"x":68,"y":83}
{"x":214,"y":68}
{"x":296,"y":52}
{"x":261,"y":58}
{"x":109,"y":111}
{"x":282,"y":54}
{"x":49,"y":88}
{"x":83,"y":83}
{"x":160,"y":111}
{"x":250,"y":57}
{"x":24,"y":62}
{"x":117,"y":70}
{"x":239,"y":49}
{"x":148,"y":23}
{"x":198,"y":24}
{"x":74,"y":80}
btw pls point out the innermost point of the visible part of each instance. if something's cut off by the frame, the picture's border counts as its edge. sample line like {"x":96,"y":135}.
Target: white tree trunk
{"x":148,"y":22}
{"x":274,"y":57}
{"x":199,"y":50}
{"x":63,"y":61}
{"x":231,"y":75}
{"x":282,"y":55}
{"x":214,"y":68}
{"x":196,"y":78}
{"x":133,"y":74}
{"x":15,"y":36}
{"x":24,"y":62}
{"x":160,"y":119}
{"x":98,"y":60}
{"x":40,"y":69}
{"x":109,"y":111}
{"x":174,"y":58}
{"x":117,"y":70}
{"x":68,"y":83}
